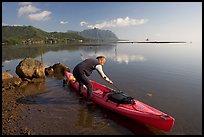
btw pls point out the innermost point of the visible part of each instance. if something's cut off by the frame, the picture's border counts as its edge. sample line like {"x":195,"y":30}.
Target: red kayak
{"x":134,"y":109}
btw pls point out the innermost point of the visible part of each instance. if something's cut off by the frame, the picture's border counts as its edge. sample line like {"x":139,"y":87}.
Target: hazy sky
{"x":174,"y":21}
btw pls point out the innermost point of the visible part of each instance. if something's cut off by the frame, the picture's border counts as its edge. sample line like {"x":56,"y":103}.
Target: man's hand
{"x":111,"y":82}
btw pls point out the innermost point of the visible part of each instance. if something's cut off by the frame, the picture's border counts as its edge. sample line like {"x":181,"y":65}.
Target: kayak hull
{"x":139,"y":111}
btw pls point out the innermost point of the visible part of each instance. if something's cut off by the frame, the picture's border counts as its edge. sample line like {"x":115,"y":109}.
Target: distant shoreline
{"x":150,"y":42}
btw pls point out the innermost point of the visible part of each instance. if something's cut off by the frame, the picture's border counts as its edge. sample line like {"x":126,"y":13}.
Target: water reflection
{"x":20,"y":52}
{"x":125,"y":58}
{"x":110,"y":52}
{"x":85,"y":119}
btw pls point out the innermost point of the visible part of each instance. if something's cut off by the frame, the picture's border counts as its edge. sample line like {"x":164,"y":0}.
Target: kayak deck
{"x":138,"y":111}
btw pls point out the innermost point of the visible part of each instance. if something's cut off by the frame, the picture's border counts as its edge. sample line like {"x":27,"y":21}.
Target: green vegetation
{"x":18,"y":35}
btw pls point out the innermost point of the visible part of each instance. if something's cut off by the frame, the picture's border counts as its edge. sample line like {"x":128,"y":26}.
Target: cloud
{"x":83,"y":23}
{"x":25,"y":10}
{"x":25,"y":3}
{"x":4,"y":24}
{"x":119,"y":22}
{"x":42,"y":16}
{"x":16,"y":25}
{"x":33,"y":13}
{"x":63,"y":22}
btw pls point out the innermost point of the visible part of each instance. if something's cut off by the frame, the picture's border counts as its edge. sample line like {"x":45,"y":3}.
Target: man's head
{"x":101,"y":60}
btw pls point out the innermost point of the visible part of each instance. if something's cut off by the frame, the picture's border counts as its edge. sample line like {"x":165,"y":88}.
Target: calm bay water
{"x":165,"y":76}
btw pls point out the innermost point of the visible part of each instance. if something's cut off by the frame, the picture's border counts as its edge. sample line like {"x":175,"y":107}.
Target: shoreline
{"x":13,"y":109}
{"x":152,"y":42}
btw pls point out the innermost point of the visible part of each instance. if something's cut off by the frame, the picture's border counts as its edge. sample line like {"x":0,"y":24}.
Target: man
{"x":85,"y":68}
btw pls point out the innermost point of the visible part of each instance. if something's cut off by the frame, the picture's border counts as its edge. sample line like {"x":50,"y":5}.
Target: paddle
{"x":116,"y":87}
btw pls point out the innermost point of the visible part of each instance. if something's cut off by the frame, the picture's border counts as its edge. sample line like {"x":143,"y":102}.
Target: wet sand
{"x":13,"y":111}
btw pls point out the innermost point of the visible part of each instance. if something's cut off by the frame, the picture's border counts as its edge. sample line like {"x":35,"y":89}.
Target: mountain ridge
{"x":30,"y":34}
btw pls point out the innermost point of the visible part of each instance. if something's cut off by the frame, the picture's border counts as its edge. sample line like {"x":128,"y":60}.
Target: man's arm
{"x":100,"y":71}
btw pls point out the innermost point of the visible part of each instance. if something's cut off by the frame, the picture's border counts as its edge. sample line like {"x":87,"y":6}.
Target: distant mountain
{"x":98,"y":34}
{"x":32,"y":35}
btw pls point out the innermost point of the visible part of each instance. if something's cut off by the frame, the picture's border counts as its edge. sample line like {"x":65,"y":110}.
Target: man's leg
{"x":80,"y":87}
{"x":88,"y":84}
{"x":78,"y":79}
{"x":82,"y":79}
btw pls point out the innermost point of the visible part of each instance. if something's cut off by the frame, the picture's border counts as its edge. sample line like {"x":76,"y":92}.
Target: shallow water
{"x":165,"y":76}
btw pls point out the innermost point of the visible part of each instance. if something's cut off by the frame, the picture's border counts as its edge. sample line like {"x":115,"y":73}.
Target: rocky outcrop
{"x":30,"y":68}
{"x":56,"y":70}
{"x":31,"y":71}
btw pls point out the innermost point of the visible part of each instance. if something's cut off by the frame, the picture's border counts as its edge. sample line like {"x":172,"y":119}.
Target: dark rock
{"x":60,"y":68}
{"x":49,"y":71}
{"x":57,"y":70}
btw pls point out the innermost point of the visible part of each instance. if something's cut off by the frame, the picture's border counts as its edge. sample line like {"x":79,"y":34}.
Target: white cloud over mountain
{"x":119,"y":22}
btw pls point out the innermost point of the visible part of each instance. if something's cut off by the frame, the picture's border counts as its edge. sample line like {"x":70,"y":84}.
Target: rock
{"x":23,"y":83}
{"x":56,"y":70}
{"x":6,"y":75}
{"x":26,"y":79}
{"x":49,"y":71}
{"x":11,"y":83}
{"x":16,"y":81}
{"x":30,"y":68}
{"x":60,"y":68}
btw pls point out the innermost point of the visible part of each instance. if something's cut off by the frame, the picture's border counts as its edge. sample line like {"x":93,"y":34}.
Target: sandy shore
{"x":13,"y":110}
